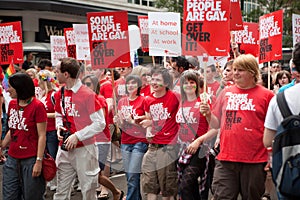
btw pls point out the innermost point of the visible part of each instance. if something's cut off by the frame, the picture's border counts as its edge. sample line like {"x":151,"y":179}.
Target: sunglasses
{"x":87,"y":84}
{"x":121,"y":69}
{"x":146,"y":74}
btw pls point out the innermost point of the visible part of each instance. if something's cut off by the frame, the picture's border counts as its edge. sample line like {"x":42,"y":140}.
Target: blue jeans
{"x":52,"y":143}
{"x":132,"y":160}
{"x":18,"y":182}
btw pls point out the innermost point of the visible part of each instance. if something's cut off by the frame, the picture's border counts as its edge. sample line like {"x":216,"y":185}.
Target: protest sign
{"x":70,"y":42}
{"x":206,"y":27}
{"x":296,"y":28}
{"x":236,"y":21}
{"x":134,"y":37}
{"x":143,"y":24}
{"x":109,"y":40}
{"x":11,"y":48}
{"x":82,"y":41}
{"x":270,"y":36}
{"x":58,"y":48}
{"x":247,"y":39}
{"x":164,"y":34}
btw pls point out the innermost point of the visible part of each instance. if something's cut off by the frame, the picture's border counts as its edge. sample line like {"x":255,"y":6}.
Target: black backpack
{"x":286,"y":152}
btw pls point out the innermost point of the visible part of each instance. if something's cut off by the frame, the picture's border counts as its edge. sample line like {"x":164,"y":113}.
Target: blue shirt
{"x":287,"y":86}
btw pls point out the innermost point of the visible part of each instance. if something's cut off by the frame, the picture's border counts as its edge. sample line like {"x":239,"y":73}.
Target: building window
{"x":144,"y":3}
{"x":151,"y":4}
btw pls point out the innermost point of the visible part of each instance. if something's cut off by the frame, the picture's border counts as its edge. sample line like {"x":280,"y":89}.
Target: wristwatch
{"x":39,"y":158}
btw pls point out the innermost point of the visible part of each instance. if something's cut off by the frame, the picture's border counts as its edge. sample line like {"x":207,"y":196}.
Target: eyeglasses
{"x":146,"y":74}
{"x":87,"y":84}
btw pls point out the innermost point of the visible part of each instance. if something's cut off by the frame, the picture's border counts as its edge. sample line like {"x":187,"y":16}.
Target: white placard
{"x":296,"y":29}
{"x":164,"y":34}
{"x":58,"y":48}
{"x":82,"y":41}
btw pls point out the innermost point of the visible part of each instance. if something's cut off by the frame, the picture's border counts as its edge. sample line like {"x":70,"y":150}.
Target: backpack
{"x":286,"y":152}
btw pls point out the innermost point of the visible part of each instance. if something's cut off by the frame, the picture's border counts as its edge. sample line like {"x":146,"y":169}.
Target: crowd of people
{"x":182,"y":131}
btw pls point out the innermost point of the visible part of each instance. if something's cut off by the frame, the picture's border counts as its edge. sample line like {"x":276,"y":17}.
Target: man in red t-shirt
{"x":158,"y":168}
{"x":82,"y":118}
{"x":240,"y":112}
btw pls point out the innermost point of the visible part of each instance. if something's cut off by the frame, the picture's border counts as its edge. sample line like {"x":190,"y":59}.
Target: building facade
{"x":40,"y":19}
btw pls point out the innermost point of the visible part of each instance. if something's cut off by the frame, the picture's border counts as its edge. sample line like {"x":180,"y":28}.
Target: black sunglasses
{"x":87,"y":84}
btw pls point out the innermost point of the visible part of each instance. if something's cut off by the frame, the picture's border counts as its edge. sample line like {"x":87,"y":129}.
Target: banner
{"x":206,"y":27}
{"x":296,"y":29}
{"x":143,"y":24}
{"x":82,"y":41}
{"x":247,"y":39}
{"x":70,"y":42}
{"x":236,"y":20}
{"x":270,"y":36}
{"x":11,"y":48}
{"x":164,"y":34}
{"x":58,"y":48}
{"x":109,"y":40}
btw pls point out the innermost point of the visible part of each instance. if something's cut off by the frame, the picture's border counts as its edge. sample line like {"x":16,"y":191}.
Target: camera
{"x":65,"y":135}
{"x":215,"y":151}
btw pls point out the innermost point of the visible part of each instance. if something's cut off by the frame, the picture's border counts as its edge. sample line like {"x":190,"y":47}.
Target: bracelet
{"x":39,"y":158}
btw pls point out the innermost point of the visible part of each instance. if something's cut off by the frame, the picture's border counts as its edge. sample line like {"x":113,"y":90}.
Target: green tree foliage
{"x":171,"y":5}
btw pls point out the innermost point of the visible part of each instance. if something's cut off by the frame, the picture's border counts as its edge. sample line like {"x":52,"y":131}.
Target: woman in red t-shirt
{"x":27,"y":120}
{"x":133,"y":138}
{"x":194,"y":159}
{"x":47,"y":83}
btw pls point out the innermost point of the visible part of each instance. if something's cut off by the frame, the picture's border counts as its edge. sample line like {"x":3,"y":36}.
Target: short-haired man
{"x":28,"y":62}
{"x":158,"y":166}
{"x":45,"y":64}
{"x":240,"y":112}
{"x":83,"y":118}
{"x":179,"y":65}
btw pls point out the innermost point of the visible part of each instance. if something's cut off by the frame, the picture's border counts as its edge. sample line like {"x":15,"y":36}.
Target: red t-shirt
{"x":23,"y":129}
{"x":78,"y":106}
{"x":35,"y":82}
{"x":163,"y":112}
{"x":50,"y":109}
{"x":145,"y":91}
{"x":212,"y":88}
{"x":242,"y":113}
{"x":132,"y":133}
{"x":103,"y":136}
{"x":197,"y":121}
{"x":106,"y":89}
